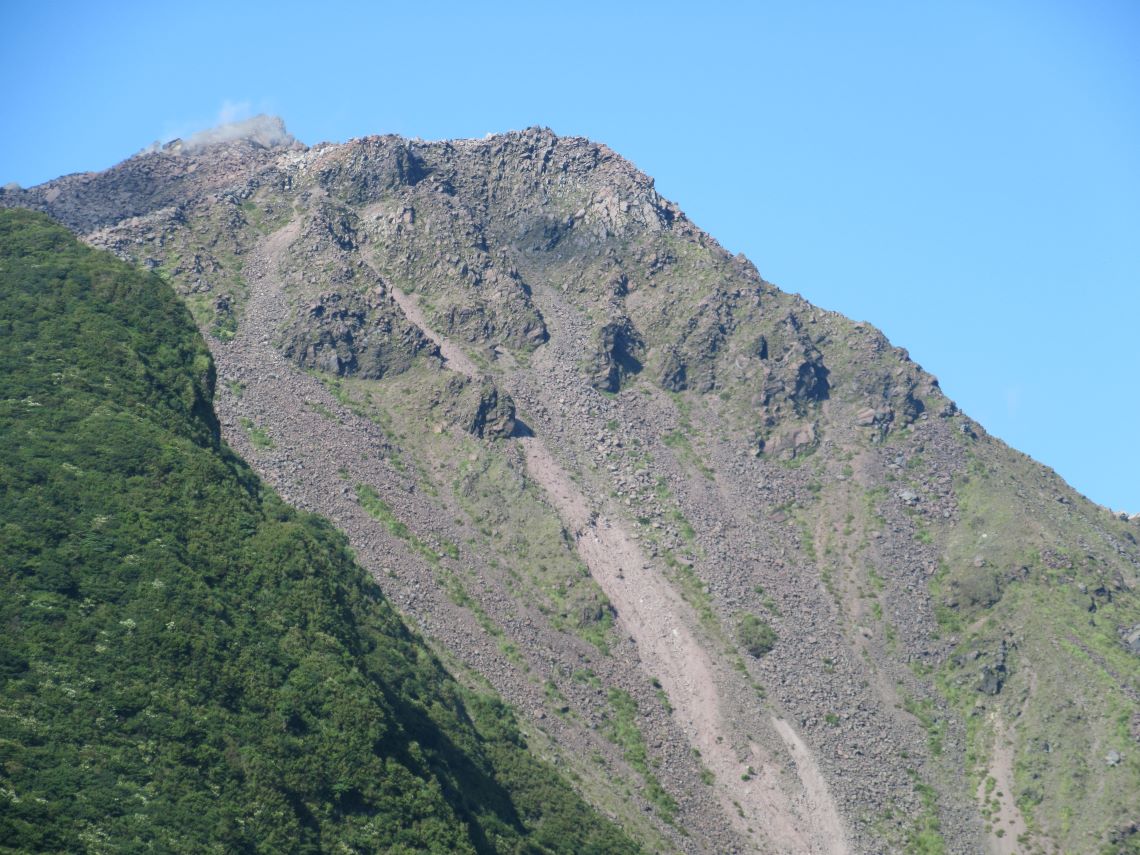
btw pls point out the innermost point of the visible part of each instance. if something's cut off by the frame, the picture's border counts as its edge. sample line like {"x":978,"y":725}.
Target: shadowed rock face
{"x":617,"y":356}
{"x":929,"y":589}
{"x":377,"y":167}
{"x":494,"y":415}
{"x":353,"y":334}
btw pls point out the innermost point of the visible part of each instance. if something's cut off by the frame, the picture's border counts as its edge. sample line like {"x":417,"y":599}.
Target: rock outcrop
{"x":617,"y":355}
{"x":353,"y":334}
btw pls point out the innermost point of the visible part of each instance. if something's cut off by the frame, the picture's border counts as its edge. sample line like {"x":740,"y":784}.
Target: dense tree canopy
{"x":186,"y":663}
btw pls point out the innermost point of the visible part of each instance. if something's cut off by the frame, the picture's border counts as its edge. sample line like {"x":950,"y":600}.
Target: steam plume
{"x":263,"y":130}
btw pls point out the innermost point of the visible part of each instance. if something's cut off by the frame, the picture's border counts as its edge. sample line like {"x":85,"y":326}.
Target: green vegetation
{"x":766,"y":599}
{"x":807,"y":539}
{"x":926,"y":712}
{"x":754,"y":635}
{"x":224,"y":327}
{"x":692,"y":589}
{"x":925,"y":837}
{"x":679,"y":441}
{"x":1006,"y":575}
{"x":257,"y":435}
{"x":321,"y":410}
{"x":379,"y":510}
{"x":622,"y":730}
{"x":186,"y":663}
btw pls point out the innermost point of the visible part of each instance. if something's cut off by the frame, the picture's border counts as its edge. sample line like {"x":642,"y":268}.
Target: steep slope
{"x":187,"y":663}
{"x":757,"y":581}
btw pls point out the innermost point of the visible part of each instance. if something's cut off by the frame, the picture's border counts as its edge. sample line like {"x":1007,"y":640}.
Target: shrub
{"x":755,"y":635}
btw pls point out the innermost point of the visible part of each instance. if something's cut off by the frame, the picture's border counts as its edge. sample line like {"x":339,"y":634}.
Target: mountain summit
{"x":736,"y":560}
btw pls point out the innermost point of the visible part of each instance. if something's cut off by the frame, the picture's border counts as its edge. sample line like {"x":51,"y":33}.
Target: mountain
{"x":735,"y":560}
{"x":187,"y":663}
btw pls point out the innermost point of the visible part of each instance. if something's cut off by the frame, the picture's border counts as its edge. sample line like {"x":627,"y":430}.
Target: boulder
{"x":493,"y":416}
{"x":618,"y":350}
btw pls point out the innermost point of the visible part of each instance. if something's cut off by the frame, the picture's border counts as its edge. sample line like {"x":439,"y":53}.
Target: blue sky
{"x":965,"y":175}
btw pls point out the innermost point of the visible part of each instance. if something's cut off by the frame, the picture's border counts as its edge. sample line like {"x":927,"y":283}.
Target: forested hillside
{"x":186,"y":663}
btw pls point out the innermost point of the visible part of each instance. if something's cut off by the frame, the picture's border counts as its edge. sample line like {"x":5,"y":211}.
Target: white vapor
{"x":233,"y":111}
{"x":264,"y":130}
{"x":234,"y":121}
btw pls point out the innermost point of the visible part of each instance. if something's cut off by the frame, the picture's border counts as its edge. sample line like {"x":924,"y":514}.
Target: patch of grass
{"x":597,"y":630}
{"x":321,"y":410}
{"x":935,"y":724}
{"x":684,"y":527}
{"x":621,"y":729}
{"x":341,"y":390}
{"x":258,"y":436}
{"x":807,"y":540}
{"x":224,"y":327}
{"x":587,"y":677}
{"x":794,"y":462}
{"x":380,"y":511}
{"x":875,"y":579}
{"x":679,"y":441}
{"x":925,"y":834}
{"x":692,"y":589}
{"x":766,"y":600}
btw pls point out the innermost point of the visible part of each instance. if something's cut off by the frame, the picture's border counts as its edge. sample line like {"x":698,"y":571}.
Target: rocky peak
{"x":532,"y":302}
{"x":175,"y":174}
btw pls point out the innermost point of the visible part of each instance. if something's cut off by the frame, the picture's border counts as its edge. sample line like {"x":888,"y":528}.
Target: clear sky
{"x":965,"y":175}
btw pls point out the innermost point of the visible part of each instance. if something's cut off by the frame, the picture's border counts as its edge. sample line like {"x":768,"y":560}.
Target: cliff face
{"x":603,"y":464}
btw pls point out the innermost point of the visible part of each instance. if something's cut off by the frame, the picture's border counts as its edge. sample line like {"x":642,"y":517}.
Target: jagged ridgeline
{"x":186,"y":663}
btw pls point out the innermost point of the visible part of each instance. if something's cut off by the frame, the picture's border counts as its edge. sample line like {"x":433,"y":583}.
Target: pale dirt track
{"x":1007,"y":817}
{"x":652,"y":612}
{"x":454,"y":357}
